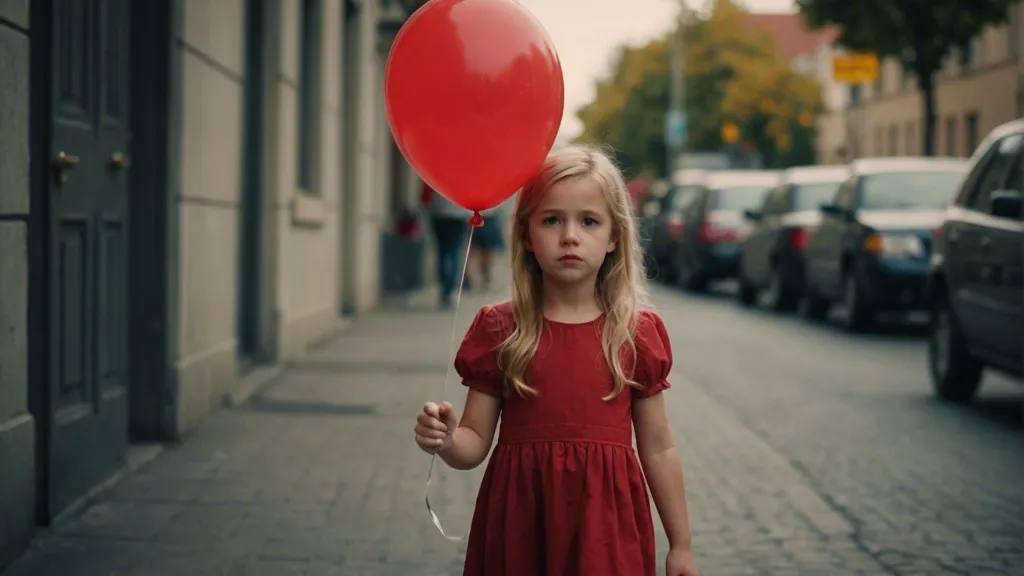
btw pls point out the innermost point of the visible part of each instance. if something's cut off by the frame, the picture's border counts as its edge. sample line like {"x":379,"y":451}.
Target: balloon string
{"x":444,"y":390}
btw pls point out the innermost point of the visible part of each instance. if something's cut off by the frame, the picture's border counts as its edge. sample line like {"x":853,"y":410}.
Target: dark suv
{"x":976,"y":273}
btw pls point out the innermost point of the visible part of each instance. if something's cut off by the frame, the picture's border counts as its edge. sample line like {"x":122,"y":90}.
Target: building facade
{"x":191,"y":191}
{"x":977,"y":90}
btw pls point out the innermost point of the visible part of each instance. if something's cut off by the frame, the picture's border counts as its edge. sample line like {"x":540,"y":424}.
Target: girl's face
{"x":571,"y":231}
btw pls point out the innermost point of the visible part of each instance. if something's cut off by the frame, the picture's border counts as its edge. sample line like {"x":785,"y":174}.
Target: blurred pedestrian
{"x":564,"y":491}
{"x":487,"y":241}
{"x":449,"y":223}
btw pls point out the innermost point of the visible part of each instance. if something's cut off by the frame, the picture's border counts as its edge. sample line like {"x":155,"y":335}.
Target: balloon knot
{"x":476,"y":220}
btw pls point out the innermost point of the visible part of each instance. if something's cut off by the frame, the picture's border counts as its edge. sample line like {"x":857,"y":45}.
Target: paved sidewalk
{"x":318,"y":475}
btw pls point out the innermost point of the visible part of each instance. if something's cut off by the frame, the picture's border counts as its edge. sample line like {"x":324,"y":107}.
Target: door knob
{"x":61,"y":164}
{"x":119,"y":160}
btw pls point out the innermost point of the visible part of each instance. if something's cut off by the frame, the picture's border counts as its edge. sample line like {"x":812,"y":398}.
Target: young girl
{"x":570,"y":364}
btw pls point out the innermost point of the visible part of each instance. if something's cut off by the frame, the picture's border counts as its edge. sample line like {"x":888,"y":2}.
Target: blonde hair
{"x":621,"y":282}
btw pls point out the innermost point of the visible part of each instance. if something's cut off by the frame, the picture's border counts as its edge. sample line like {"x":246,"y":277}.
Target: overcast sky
{"x":586,"y":33}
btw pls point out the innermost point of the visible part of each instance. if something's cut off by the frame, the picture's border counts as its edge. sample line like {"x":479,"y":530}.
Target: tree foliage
{"x":732,"y":74}
{"x":920,"y":34}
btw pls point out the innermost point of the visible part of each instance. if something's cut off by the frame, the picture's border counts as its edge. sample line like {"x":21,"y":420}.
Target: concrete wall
{"x":307,"y":219}
{"x":213,"y":63}
{"x":17,"y":427}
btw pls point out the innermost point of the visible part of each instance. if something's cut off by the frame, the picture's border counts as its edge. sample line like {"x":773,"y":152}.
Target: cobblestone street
{"x":791,"y":469}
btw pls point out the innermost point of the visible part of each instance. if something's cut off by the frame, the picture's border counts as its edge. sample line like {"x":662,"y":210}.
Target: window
{"x":951,"y":149}
{"x":739,"y":197}
{"x":971,"y":132}
{"x":995,"y":171}
{"x":879,"y":136}
{"x":894,"y":137}
{"x":308,"y":103}
{"x":917,"y":190}
{"x":856,"y":93}
{"x":845,"y":194}
{"x":776,"y":202}
{"x":811,"y":196}
{"x":911,"y":138}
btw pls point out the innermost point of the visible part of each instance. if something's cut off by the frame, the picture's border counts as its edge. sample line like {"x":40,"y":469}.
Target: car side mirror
{"x":1007,"y":204}
{"x":834,"y":210}
{"x":752,"y":215}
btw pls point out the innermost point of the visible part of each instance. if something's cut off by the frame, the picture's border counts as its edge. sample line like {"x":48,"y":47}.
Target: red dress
{"x":563,"y":493}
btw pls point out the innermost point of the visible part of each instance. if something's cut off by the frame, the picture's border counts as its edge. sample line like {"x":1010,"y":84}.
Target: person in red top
{"x":571,"y":364}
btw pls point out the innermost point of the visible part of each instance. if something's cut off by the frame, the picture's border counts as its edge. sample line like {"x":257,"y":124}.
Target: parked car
{"x":871,"y":250}
{"x":772,"y":250}
{"x":661,"y":221}
{"x":705,"y":248}
{"x":976,"y":275}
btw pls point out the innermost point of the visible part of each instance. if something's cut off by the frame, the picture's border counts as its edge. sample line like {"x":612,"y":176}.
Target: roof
{"x":688,"y":176}
{"x":792,"y":33}
{"x":809,"y":174}
{"x":730,"y":178}
{"x":903,"y":163}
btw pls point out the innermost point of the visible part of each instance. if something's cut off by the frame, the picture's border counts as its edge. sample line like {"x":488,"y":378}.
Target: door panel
{"x":88,"y":246}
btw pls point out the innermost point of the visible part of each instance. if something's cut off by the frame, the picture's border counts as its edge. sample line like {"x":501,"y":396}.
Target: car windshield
{"x":683,"y":194}
{"x":812,"y":195}
{"x":909,"y":190}
{"x":739,"y":197}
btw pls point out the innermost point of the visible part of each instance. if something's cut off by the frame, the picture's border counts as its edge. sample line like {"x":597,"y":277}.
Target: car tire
{"x":781,"y":298}
{"x":816,"y":308}
{"x":859,"y":315}
{"x":747,"y":294}
{"x":956,"y":375}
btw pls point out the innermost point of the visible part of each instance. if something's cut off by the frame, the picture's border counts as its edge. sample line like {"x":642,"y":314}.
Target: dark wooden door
{"x":87,"y":246}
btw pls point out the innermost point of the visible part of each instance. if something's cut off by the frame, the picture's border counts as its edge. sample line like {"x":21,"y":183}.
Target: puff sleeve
{"x":477,"y":358}
{"x":653,"y":356}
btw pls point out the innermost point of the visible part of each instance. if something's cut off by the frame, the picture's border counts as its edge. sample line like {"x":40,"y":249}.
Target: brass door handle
{"x":119,"y":160}
{"x":61,"y":164}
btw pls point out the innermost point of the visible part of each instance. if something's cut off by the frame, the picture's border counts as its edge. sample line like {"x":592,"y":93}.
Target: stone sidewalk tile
{"x":319,"y":475}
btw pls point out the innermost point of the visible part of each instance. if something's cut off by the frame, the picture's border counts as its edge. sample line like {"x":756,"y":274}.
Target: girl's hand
{"x":435,"y":426}
{"x":680,"y":562}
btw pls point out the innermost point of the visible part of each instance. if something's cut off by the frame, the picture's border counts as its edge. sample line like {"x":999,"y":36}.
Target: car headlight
{"x":894,"y":245}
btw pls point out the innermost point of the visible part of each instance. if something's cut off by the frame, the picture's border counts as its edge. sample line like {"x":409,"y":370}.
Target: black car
{"x":871,"y":250}
{"x":661,"y":221}
{"x":976,"y":276}
{"x":706,"y":249}
{"x":772,"y":249}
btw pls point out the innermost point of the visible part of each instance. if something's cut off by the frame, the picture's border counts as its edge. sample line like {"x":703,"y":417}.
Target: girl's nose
{"x":569,"y":235}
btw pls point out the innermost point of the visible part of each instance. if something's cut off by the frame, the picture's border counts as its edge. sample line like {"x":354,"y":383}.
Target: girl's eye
{"x":550,"y":221}
{"x":589,"y":222}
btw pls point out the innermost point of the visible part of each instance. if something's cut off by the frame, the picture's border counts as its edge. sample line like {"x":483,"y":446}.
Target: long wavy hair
{"x":621,"y":283}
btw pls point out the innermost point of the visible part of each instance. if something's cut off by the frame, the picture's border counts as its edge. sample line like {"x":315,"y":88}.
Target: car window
{"x":994,"y":172}
{"x":811,"y":196}
{"x":739,"y":197}
{"x":909,"y":190}
{"x":844,"y":195}
{"x":684,"y":194}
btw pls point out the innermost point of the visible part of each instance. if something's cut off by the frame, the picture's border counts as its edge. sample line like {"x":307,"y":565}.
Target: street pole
{"x":676,"y":121}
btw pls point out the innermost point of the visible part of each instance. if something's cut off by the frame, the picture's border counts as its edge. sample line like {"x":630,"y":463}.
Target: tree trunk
{"x":926,"y":82}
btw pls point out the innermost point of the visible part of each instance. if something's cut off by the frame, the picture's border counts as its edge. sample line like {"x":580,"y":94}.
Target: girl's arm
{"x":663,"y":468}
{"x":471,"y":441}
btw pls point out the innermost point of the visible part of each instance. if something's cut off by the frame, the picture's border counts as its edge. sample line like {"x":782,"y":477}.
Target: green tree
{"x":732,"y":75}
{"x":920,"y":34}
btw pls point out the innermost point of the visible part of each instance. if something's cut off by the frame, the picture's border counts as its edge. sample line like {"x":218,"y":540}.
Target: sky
{"x":586,"y":33}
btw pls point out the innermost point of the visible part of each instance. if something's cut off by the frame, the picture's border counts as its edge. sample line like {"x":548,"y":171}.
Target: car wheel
{"x":780,"y":298}
{"x":956,"y":375}
{"x":859,"y":315}
{"x":747,"y":294}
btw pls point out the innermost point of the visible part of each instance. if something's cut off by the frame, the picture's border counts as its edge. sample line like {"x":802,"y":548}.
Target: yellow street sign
{"x":730,"y":133}
{"x":855,"y":68}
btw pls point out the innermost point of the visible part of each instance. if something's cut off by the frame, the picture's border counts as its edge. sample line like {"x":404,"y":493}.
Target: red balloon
{"x":474,"y":95}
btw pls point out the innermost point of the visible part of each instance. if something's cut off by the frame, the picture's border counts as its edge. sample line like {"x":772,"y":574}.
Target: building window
{"x":855,"y":94}
{"x":970,"y":133}
{"x":894,"y":137}
{"x":878,"y":141}
{"x":911,"y":139}
{"x":309,"y":60}
{"x":951,"y":137}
